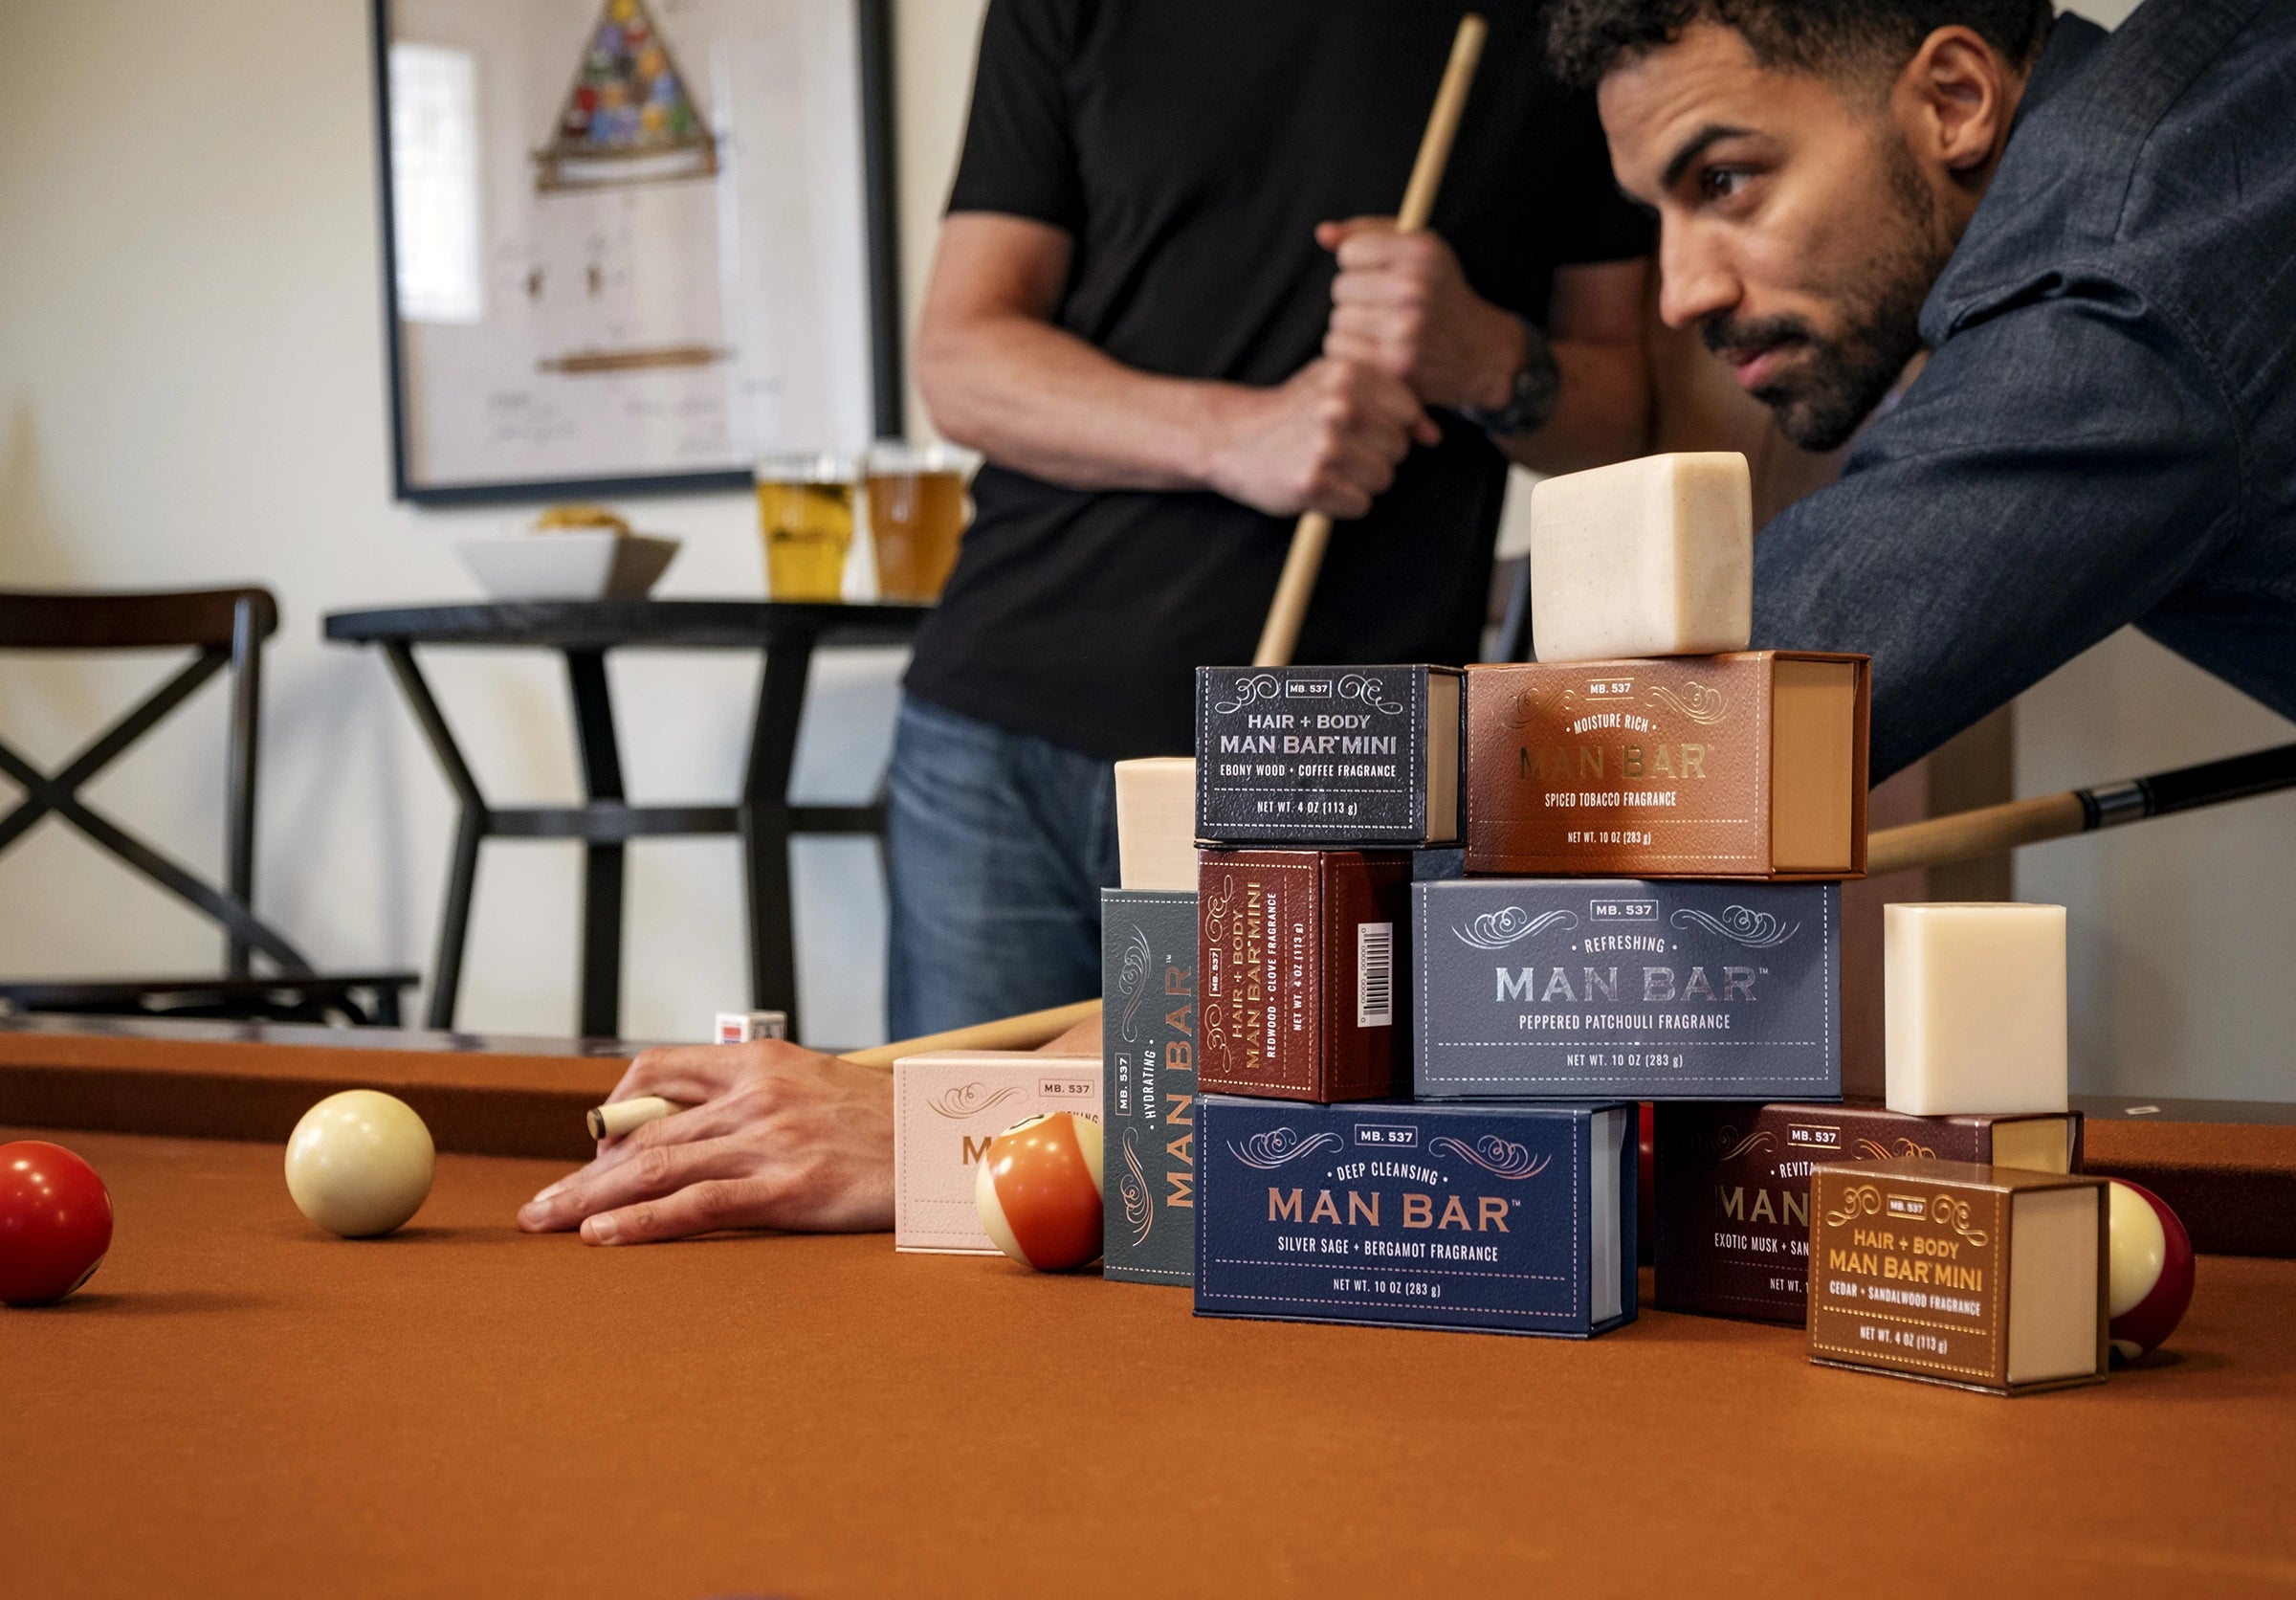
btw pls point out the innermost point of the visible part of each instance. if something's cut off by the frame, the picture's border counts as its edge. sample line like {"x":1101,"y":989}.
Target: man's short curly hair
{"x":1586,"y":38}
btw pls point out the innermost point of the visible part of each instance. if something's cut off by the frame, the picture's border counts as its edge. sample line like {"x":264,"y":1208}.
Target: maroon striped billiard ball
{"x":2152,"y":1276}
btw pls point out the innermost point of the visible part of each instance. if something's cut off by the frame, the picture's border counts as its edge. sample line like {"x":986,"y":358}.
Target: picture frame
{"x":630,"y":246}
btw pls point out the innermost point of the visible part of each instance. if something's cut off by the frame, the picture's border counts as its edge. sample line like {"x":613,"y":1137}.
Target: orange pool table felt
{"x":238,"y":1404}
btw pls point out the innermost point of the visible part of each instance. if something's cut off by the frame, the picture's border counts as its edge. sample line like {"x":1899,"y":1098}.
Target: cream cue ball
{"x":359,"y":1163}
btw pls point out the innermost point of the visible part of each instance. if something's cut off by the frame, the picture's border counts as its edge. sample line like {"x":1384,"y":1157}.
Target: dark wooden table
{"x":786,"y":634}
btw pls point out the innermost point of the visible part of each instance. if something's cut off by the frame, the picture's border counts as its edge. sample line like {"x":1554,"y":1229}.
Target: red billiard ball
{"x":1038,"y":1191}
{"x":2151,"y":1277}
{"x":56,"y":1222}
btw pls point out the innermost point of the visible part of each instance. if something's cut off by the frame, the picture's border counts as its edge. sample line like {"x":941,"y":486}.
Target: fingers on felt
{"x":699,"y":1208}
{"x":650,"y":1171}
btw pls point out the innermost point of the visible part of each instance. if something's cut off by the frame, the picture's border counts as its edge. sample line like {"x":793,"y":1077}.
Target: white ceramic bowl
{"x":569,"y":564}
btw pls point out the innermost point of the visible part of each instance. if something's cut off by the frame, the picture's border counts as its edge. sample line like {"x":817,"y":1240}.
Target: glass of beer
{"x":806,"y":508}
{"x":917,"y":515}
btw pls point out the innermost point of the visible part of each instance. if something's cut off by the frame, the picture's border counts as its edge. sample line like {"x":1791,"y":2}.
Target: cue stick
{"x":1968,"y":835}
{"x":1280,"y":637}
{"x":616,"y":1118}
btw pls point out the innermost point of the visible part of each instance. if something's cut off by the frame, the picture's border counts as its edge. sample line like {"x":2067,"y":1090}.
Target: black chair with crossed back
{"x":223,"y":627}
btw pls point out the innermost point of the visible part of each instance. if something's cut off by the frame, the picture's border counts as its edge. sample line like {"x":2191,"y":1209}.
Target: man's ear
{"x":1956,"y":99}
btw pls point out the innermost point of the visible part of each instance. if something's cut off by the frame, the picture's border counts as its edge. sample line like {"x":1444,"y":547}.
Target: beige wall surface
{"x":191,"y":390}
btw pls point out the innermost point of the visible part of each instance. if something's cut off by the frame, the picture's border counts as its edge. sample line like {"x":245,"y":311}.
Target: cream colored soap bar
{"x":1155,"y":824}
{"x":1974,"y":1005}
{"x":1652,"y":557}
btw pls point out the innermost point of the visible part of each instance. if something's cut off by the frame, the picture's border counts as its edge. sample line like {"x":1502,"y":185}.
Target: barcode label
{"x":1375,"y":975}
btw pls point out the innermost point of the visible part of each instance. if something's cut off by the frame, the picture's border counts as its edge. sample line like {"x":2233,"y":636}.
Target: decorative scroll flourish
{"x":1250,"y":691}
{"x":1760,"y":1138}
{"x":970,"y":1099}
{"x":1872,"y":1150}
{"x":1281,"y":1146}
{"x":1495,"y":930}
{"x":1133,"y":1189}
{"x":1219,"y":905}
{"x":1355,"y":686}
{"x":1949,"y":1212}
{"x":1703,"y":703}
{"x":1501,"y":1158}
{"x":1756,"y":930}
{"x":1131,"y":979}
{"x":1527,"y":706}
{"x":1860,"y":1200}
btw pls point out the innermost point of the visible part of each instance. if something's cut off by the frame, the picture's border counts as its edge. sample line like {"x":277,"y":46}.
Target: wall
{"x":190,"y":390}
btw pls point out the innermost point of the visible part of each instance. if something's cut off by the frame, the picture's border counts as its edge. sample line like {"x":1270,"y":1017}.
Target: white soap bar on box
{"x":1156,"y":825}
{"x":1653,"y":557}
{"x":1973,"y":1010}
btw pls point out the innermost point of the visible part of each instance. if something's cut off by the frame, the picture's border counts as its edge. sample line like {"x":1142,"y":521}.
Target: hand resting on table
{"x":776,"y":1137}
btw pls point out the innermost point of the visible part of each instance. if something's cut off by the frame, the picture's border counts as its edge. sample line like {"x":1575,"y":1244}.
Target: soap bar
{"x":1984,"y":1277}
{"x":1148,"y":1091}
{"x":1499,"y":1218}
{"x":1974,"y":1008}
{"x":1652,"y":557}
{"x":1300,"y":952}
{"x":1155,"y":824}
{"x":1566,"y":987}
{"x":946,"y":1107}
{"x":1732,"y":1190}
{"x":1751,"y":765}
{"x":1324,"y":758}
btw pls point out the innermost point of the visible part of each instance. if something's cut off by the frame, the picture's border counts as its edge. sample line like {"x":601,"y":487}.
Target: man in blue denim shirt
{"x":2097,"y":239}
{"x":2093,"y":234}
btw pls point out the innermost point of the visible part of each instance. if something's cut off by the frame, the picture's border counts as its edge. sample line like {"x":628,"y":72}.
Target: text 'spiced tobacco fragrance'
{"x":1328,"y":758}
{"x":1565,"y":989}
{"x":1733,"y":1187}
{"x":1148,"y":1085}
{"x":1745,"y":766}
{"x":1510,"y":1219}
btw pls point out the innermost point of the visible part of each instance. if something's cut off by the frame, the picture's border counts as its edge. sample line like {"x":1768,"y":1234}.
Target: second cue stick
{"x":1967,"y":836}
{"x":1279,"y":638}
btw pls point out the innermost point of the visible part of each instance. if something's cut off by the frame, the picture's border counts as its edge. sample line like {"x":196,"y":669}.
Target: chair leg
{"x":239,"y":800}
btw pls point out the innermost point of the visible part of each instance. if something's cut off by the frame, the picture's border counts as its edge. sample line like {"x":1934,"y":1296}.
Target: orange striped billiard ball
{"x":1038,"y":1190}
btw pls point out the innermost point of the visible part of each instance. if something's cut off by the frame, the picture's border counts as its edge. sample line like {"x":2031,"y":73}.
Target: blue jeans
{"x":996,"y":846}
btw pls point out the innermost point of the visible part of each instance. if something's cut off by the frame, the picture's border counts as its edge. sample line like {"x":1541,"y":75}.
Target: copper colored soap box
{"x":1747,"y":766}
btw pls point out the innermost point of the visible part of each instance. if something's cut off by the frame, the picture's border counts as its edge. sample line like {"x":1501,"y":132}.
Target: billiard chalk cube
{"x":1653,"y":557}
{"x":1974,"y":1008}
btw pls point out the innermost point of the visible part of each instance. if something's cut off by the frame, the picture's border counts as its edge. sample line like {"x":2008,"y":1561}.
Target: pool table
{"x":238,"y":1404}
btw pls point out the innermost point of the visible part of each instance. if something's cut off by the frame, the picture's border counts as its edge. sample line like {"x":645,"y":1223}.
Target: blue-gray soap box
{"x":1557,"y":987}
{"x":1148,"y":1086}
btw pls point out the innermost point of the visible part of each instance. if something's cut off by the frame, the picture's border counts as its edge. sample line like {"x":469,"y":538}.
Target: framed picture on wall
{"x":634,"y":245}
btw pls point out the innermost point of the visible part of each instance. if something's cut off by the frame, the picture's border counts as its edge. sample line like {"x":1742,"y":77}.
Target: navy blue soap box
{"x":1492,"y":1218}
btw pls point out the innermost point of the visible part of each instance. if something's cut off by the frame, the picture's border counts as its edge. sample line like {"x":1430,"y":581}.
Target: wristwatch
{"x":1531,"y":400}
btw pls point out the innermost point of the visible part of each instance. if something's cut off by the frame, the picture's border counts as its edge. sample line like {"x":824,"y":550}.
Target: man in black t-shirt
{"x":1147,"y":316}
{"x":1137,"y":315}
